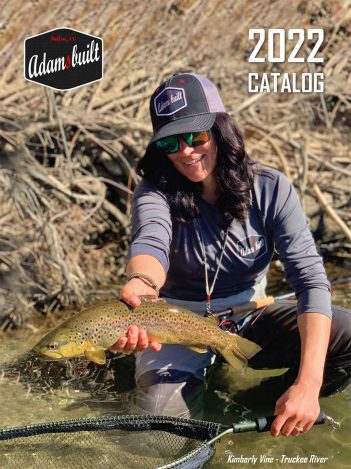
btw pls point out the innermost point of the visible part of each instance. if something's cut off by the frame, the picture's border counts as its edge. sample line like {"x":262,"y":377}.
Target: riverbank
{"x":67,"y":166}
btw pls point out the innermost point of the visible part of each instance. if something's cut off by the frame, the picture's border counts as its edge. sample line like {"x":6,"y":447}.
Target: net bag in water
{"x":129,"y":441}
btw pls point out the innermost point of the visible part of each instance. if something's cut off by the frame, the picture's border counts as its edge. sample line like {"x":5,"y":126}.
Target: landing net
{"x":109,"y":442}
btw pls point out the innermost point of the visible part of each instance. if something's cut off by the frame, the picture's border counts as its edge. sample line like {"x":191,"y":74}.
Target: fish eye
{"x":53,"y":346}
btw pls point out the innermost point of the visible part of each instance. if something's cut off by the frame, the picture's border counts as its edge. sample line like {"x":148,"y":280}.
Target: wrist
{"x":147,"y":279}
{"x":313,"y":383}
{"x":140,"y":287}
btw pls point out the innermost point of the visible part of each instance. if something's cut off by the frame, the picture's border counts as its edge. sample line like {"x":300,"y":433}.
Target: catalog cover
{"x":192,"y":150}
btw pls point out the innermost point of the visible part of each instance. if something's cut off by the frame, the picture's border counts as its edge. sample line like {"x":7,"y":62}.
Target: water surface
{"x":34,"y":391}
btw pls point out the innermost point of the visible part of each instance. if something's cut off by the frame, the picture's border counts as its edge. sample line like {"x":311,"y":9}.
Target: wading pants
{"x":172,"y":381}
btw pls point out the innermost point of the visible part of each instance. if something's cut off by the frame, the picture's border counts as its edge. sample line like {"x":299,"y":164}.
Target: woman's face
{"x":195,"y":163}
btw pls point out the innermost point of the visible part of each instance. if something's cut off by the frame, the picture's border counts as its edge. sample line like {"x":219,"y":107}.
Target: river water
{"x":33,"y":391}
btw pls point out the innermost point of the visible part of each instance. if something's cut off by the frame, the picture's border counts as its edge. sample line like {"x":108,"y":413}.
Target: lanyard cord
{"x":209,"y":289}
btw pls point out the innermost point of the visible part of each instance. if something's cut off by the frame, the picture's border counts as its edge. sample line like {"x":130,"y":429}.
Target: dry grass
{"x":64,"y":210}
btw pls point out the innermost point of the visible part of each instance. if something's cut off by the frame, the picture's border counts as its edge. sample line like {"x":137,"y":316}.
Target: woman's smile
{"x":195,"y":163}
{"x":197,"y":160}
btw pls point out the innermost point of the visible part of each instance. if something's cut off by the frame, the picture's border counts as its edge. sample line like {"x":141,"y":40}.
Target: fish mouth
{"x":49,"y":354}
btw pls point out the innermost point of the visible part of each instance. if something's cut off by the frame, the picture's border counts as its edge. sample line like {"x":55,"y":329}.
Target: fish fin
{"x":96,"y":355}
{"x":238,"y":350}
{"x":198,"y":348}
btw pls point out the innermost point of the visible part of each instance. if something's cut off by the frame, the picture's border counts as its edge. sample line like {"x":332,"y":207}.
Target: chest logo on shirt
{"x":252,"y":247}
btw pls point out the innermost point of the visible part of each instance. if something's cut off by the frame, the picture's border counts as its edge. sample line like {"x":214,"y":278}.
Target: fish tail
{"x":238,"y":350}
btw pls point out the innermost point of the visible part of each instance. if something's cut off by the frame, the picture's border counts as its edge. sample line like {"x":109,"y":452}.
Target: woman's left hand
{"x":297,"y":409}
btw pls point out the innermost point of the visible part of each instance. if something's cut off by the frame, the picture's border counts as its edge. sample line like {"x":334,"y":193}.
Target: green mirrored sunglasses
{"x":170,"y":144}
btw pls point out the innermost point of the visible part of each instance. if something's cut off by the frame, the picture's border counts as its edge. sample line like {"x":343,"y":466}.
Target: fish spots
{"x":101,"y":326}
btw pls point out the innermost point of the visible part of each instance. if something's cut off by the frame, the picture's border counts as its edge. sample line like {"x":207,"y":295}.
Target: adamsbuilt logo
{"x":252,"y":247}
{"x":63,"y":59}
{"x":170,"y":101}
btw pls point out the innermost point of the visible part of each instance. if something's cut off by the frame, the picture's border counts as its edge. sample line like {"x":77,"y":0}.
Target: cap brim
{"x":186,"y":124}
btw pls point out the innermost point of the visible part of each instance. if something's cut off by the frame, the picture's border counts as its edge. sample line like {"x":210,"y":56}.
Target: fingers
{"x":133,"y":289}
{"x":119,"y":345}
{"x":133,"y":336}
{"x":136,"y":339}
{"x":155,"y":346}
{"x":129,"y":295}
{"x":277,"y":425}
{"x":308,"y":427}
{"x":143,"y":340}
{"x":128,"y":343}
{"x":287,"y":425}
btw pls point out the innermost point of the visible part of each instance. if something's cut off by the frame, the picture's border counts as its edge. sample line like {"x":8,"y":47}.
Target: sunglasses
{"x":170,"y":144}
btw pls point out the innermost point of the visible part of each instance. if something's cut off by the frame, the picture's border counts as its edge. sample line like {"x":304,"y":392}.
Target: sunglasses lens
{"x":168,"y":144}
{"x":197,"y":138}
{"x":171,"y":144}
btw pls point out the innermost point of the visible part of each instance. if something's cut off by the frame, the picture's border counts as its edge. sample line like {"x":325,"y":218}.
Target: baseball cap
{"x":187,"y":102}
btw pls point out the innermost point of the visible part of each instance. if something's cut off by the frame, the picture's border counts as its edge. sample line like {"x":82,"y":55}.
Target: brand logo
{"x":170,"y":101}
{"x":252,"y":247}
{"x":63,"y":58}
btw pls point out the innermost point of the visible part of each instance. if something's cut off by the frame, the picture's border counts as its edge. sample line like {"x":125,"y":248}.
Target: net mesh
{"x":118,"y":442}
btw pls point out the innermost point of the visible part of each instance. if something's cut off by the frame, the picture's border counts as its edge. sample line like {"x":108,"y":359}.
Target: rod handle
{"x":264,"y":423}
{"x":253,"y":305}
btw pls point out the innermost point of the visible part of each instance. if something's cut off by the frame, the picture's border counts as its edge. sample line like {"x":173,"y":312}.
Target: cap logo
{"x":170,"y":101}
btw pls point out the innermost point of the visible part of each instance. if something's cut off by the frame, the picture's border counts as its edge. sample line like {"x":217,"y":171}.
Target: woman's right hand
{"x":136,"y":337}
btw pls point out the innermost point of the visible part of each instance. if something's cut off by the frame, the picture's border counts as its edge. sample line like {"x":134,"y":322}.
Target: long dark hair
{"x":234,"y":174}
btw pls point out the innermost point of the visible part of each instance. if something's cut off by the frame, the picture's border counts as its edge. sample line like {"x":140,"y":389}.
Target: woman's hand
{"x":133,"y":290}
{"x":297,"y":408}
{"x":136,"y":337}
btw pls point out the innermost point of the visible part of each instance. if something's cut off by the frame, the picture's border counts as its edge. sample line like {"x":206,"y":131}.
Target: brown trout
{"x":95,"y":329}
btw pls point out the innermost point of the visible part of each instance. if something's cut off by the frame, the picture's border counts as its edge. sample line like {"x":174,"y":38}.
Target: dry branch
{"x":329,"y":209}
{"x":67,"y":158}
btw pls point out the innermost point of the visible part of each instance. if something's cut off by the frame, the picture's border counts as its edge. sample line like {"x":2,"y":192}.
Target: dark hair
{"x":234,"y":176}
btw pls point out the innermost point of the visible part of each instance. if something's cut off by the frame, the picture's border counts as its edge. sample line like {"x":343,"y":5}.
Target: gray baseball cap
{"x":187,"y":102}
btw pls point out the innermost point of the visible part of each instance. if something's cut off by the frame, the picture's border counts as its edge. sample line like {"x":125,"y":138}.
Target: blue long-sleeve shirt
{"x":275,"y":222}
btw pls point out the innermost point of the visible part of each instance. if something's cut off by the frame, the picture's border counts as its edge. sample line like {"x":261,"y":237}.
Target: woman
{"x":206,"y":221}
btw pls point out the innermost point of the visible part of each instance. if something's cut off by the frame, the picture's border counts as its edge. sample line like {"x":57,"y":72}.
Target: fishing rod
{"x":252,"y":305}
{"x":267,"y":301}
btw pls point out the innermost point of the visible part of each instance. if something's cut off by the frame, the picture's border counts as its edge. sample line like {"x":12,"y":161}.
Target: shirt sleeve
{"x":151,"y":224}
{"x":296,"y":248}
